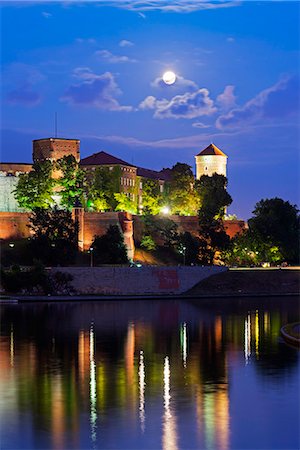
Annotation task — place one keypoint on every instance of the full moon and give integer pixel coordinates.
(169, 77)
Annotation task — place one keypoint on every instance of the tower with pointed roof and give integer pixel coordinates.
(211, 160)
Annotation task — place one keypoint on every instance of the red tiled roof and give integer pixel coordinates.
(211, 150)
(103, 159)
(148, 173)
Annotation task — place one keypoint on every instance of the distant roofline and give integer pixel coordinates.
(117, 162)
(55, 139)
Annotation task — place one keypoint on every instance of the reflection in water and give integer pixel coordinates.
(169, 438)
(59, 392)
(183, 342)
(142, 391)
(256, 334)
(12, 351)
(247, 338)
(93, 388)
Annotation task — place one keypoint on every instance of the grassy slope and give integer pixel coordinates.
(250, 281)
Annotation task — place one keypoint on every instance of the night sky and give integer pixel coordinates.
(99, 66)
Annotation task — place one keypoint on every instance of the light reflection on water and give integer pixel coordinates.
(147, 375)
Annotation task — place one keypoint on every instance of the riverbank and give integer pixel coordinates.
(249, 282)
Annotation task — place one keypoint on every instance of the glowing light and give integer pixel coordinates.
(256, 334)
(142, 391)
(169, 439)
(93, 389)
(165, 210)
(247, 338)
(183, 341)
(12, 352)
(169, 77)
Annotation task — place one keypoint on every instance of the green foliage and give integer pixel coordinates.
(167, 231)
(148, 243)
(213, 199)
(35, 189)
(276, 222)
(249, 249)
(71, 181)
(152, 197)
(102, 185)
(55, 236)
(110, 248)
(183, 199)
(124, 203)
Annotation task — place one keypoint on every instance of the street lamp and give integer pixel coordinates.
(91, 253)
(183, 251)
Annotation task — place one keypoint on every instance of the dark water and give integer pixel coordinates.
(148, 375)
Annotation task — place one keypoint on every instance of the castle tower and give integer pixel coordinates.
(211, 160)
(55, 148)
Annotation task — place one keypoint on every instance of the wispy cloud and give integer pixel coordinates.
(46, 14)
(114, 59)
(181, 82)
(200, 125)
(227, 99)
(126, 43)
(279, 102)
(93, 90)
(24, 95)
(178, 6)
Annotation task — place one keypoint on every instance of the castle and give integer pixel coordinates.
(208, 161)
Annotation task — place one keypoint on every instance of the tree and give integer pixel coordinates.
(276, 222)
(54, 236)
(71, 181)
(152, 197)
(189, 247)
(125, 203)
(182, 196)
(110, 248)
(35, 189)
(102, 185)
(214, 199)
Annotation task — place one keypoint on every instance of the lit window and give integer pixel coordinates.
(141, 185)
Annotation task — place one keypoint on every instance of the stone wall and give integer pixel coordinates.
(137, 281)
(13, 225)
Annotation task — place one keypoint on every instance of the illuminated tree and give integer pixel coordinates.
(125, 203)
(180, 193)
(152, 197)
(36, 188)
(71, 181)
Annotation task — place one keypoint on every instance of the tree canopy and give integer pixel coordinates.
(214, 199)
(152, 197)
(110, 248)
(71, 182)
(35, 188)
(182, 197)
(276, 222)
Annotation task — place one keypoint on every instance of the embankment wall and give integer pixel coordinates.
(137, 281)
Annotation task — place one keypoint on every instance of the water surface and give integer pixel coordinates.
(148, 375)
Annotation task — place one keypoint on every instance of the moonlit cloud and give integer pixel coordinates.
(278, 102)
(47, 15)
(180, 82)
(200, 125)
(125, 43)
(186, 106)
(177, 6)
(93, 90)
(114, 59)
(227, 99)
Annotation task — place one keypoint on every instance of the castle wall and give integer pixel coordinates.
(8, 203)
(210, 164)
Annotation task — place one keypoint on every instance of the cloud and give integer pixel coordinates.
(125, 43)
(83, 41)
(200, 125)
(177, 6)
(23, 95)
(46, 15)
(114, 59)
(94, 90)
(180, 82)
(276, 103)
(230, 39)
(227, 99)
(186, 106)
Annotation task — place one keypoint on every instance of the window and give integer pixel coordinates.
(141, 185)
